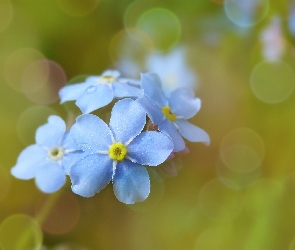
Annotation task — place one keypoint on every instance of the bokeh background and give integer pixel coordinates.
(237, 55)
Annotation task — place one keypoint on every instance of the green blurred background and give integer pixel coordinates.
(238, 193)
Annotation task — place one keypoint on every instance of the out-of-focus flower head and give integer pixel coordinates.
(50, 159)
(273, 43)
(172, 69)
(99, 91)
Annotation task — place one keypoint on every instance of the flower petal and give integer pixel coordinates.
(70, 159)
(153, 110)
(127, 120)
(151, 85)
(50, 177)
(95, 97)
(110, 72)
(131, 182)
(73, 91)
(91, 174)
(150, 148)
(91, 133)
(123, 89)
(28, 162)
(169, 129)
(51, 133)
(192, 132)
(183, 103)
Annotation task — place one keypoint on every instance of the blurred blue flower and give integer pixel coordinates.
(172, 69)
(99, 91)
(171, 114)
(50, 159)
(117, 153)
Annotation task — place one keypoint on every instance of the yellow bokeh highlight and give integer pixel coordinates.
(162, 25)
(20, 231)
(272, 81)
(242, 150)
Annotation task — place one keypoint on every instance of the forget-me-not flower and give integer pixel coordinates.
(172, 69)
(99, 91)
(50, 159)
(171, 114)
(117, 153)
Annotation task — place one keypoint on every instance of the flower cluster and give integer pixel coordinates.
(145, 130)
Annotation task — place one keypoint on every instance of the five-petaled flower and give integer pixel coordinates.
(99, 91)
(171, 114)
(118, 153)
(50, 159)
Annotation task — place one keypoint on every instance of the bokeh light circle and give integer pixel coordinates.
(15, 65)
(30, 120)
(219, 202)
(20, 231)
(272, 81)
(78, 7)
(130, 47)
(246, 13)
(6, 14)
(242, 150)
(162, 25)
(236, 180)
(58, 214)
(42, 80)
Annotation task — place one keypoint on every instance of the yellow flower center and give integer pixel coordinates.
(168, 114)
(117, 151)
(56, 153)
(107, 79)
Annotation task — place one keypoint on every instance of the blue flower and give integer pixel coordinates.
(171, 114)
(99, 91)
(172, 69)
(50, 159)
(117, 153)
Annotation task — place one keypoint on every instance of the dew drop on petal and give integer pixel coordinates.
(90, 89)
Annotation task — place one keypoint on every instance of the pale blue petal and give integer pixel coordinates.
(153, 110)
(151, 85)
(113, 73)
(70, 159)
(192, 132)
(95, 97)
(150, 148)
(50, 177)
(91, 134)
(131, 182)
(127, 120)
(68, 142)
(51, 133)
(28, 162)
(183, 103)
(91, 174)
(169, 128)
(123, 89)
(72, 92)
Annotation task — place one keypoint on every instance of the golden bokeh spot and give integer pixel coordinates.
(117, 151)
(168, 114)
